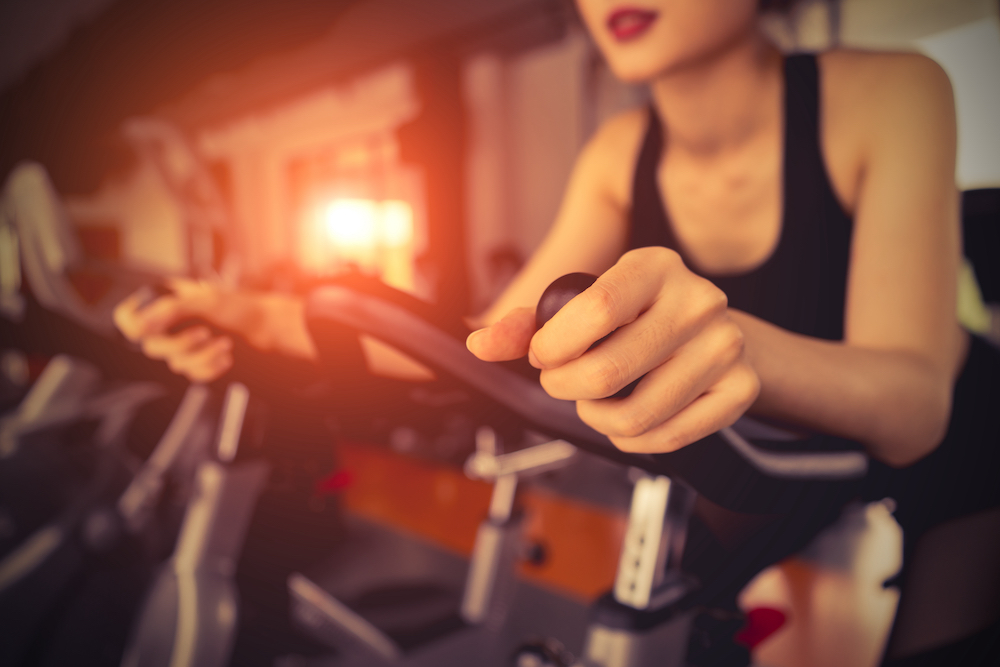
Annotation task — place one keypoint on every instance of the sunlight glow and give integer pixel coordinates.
(364, 223)
(397, 223)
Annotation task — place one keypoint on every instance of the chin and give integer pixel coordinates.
(639, 67)
(634, 73)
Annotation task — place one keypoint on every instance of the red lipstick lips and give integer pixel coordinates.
(627, 23)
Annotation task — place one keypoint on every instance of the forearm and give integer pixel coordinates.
(896, 403)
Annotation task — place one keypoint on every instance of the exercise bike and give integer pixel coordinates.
(93, 482)
(652, 603)
(652, 615)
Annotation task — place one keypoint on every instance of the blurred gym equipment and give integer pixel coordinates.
(649, 615)
(652, 615)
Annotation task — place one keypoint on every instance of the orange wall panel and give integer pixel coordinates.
(440, 504)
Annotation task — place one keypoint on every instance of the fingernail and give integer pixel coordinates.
(533, 360)
(475, 334)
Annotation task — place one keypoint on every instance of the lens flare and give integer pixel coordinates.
(364, 223)
(397, 223)
(353, 223)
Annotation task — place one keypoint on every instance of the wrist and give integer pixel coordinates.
(240, 312)
(282, 325)
(260, 315)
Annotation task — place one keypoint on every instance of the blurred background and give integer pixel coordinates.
(424, 142)
(277, 144)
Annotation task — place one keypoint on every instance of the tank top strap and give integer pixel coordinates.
(802, 103)
(805, 182)
(817, 231)
(649, 219)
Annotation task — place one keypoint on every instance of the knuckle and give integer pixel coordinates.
(666, 259)
(606, 378)
(733, 340)
(634, 423)
(602, 302)
(551, 385)
(742, 385)
(712, 299)
(636, 256)
(750, 384)
(656, 257)
(670, 442)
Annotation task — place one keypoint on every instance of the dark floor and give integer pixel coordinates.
(377, 559)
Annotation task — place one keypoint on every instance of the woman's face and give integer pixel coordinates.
(642, 39)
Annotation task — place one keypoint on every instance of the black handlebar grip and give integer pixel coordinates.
(557, 295)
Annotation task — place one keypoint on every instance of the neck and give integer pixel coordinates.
(722, 100)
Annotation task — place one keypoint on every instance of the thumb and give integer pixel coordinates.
(504, 340)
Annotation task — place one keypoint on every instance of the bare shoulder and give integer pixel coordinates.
(623, 131)
(884, 85)
(610, 156)
(882, 106)
(881, 65)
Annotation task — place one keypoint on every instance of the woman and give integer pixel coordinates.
(817, 194)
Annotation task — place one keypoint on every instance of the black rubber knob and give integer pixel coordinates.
(557, 295)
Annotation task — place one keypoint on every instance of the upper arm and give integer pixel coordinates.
(906, 246)
(590, 231)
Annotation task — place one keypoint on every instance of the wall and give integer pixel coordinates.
(261, 153)
(963, 36)
(148, 219)
(530, 114)
(896, 24)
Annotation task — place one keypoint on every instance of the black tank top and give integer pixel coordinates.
(801, 286)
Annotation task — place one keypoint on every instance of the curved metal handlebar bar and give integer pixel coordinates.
(442, 352)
